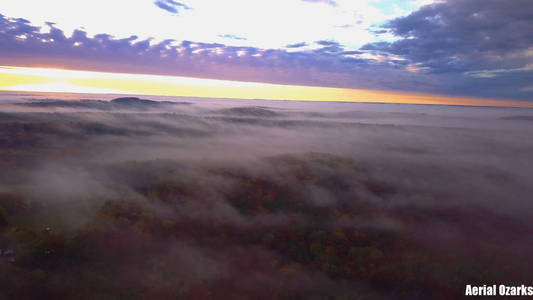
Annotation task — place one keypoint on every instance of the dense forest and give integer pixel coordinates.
(141, 200)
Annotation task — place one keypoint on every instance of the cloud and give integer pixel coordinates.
(327, 43)
(25, 45)
(484, 39)
(497, 72)
(328, 2)
(232, 37)
(459, 35)
(171, 6)
(297, 45)
(382, 66)
(528, 88)
(329, 47)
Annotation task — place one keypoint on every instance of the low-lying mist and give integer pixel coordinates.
(235, 199)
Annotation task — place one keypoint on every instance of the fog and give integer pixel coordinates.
(197, 197)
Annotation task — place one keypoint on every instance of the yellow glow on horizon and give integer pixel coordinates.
(70, 81)
(60, 87)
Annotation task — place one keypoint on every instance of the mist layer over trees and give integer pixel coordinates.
(231, 199)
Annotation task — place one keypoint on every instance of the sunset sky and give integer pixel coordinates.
(473, 52)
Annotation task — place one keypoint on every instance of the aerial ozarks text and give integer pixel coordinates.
(498, 290)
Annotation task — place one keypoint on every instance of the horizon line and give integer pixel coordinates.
(58, 80)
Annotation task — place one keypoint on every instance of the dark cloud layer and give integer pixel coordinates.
(487, 39)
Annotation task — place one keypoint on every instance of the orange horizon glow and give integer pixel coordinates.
(26, 79)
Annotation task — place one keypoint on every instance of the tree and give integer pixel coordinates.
(3, 219)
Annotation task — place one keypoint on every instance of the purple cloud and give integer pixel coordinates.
(296, 45)
(171, 6)
(487, 39)
(232, 37)
(24, 45)
(375, 66)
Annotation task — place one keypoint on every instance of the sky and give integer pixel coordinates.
(459, 50)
